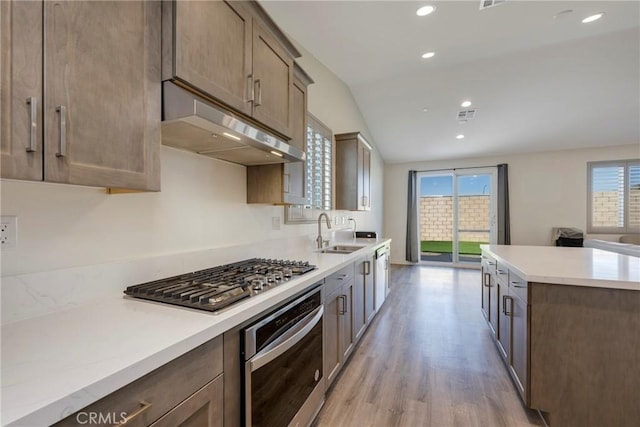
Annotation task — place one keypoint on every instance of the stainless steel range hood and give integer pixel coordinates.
(194, 124)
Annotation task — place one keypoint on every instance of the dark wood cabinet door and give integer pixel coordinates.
(348, 335)
(272, 82)
(369, 292)
(519, 346)
(212, 48)
(21, 94)
(332, 330)
(486, 287)
(504, 321)
(494, 306)
(359, 319)
(102, 116)
(366, 179)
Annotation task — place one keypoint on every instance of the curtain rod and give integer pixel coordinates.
(455, 169)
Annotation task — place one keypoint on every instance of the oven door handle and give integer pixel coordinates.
(287, 340)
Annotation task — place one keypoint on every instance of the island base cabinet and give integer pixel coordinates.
(585, 355)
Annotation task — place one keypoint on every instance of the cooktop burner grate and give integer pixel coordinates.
(215, 288)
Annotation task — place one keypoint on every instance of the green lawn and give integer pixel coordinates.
(445, 247)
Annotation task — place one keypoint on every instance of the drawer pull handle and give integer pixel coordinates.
(518, 285)
(501, 272)
(144, 406)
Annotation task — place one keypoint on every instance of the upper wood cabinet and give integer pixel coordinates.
(233, 53)
(207, 45)
(101, 117)
(285, 183)
(353, 172)
(21, 88)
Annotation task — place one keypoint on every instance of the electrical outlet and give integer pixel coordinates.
(8, 231)
(275, 223)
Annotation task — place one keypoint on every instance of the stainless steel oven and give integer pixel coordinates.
(283, 378)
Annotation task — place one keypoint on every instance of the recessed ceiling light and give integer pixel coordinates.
(425, 10)
(466, 104)
(425, 109)
(428, 55)
(562, 13)
(459, 136)
(593, 18)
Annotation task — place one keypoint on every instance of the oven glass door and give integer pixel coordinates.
(278, 388)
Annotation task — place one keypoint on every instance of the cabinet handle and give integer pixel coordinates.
(63, 131)
(32, 102)
(491, 263)
(257, 88)
(342, 277)
(367, 268)
(145, 406)
(250, 95)
(343, 310)
(287, 183)
(518, 285)
(501, 272)
(504, 305)
(487, 280)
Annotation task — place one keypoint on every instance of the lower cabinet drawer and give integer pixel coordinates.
(147, 399)
(202, 409)
(339, 278)
(519, 286)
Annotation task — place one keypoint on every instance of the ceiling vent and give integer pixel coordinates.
(466, 115)
(490, 3)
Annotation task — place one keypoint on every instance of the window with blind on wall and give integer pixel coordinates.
(318, 174)
(613, 197)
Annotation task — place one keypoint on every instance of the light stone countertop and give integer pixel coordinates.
(569, 266)
(63, 358)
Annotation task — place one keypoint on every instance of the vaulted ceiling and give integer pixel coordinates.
(538, 78)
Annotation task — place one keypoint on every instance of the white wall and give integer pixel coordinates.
(201, 205)
(547, 189)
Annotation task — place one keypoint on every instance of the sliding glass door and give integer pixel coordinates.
(457, 213)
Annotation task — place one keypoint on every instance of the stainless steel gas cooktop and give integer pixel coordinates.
(219, 287)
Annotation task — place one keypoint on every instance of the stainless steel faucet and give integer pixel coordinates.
(354, 226)
(319, 240)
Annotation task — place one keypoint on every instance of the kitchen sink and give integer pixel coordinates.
(340, 249)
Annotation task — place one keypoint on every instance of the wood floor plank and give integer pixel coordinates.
(427, 360)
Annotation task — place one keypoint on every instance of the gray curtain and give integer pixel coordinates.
(504, 229)
(412, 244)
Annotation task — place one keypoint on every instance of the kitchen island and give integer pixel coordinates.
(566, 322)
(69, 338)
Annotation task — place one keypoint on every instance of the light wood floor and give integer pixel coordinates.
(427, 359)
